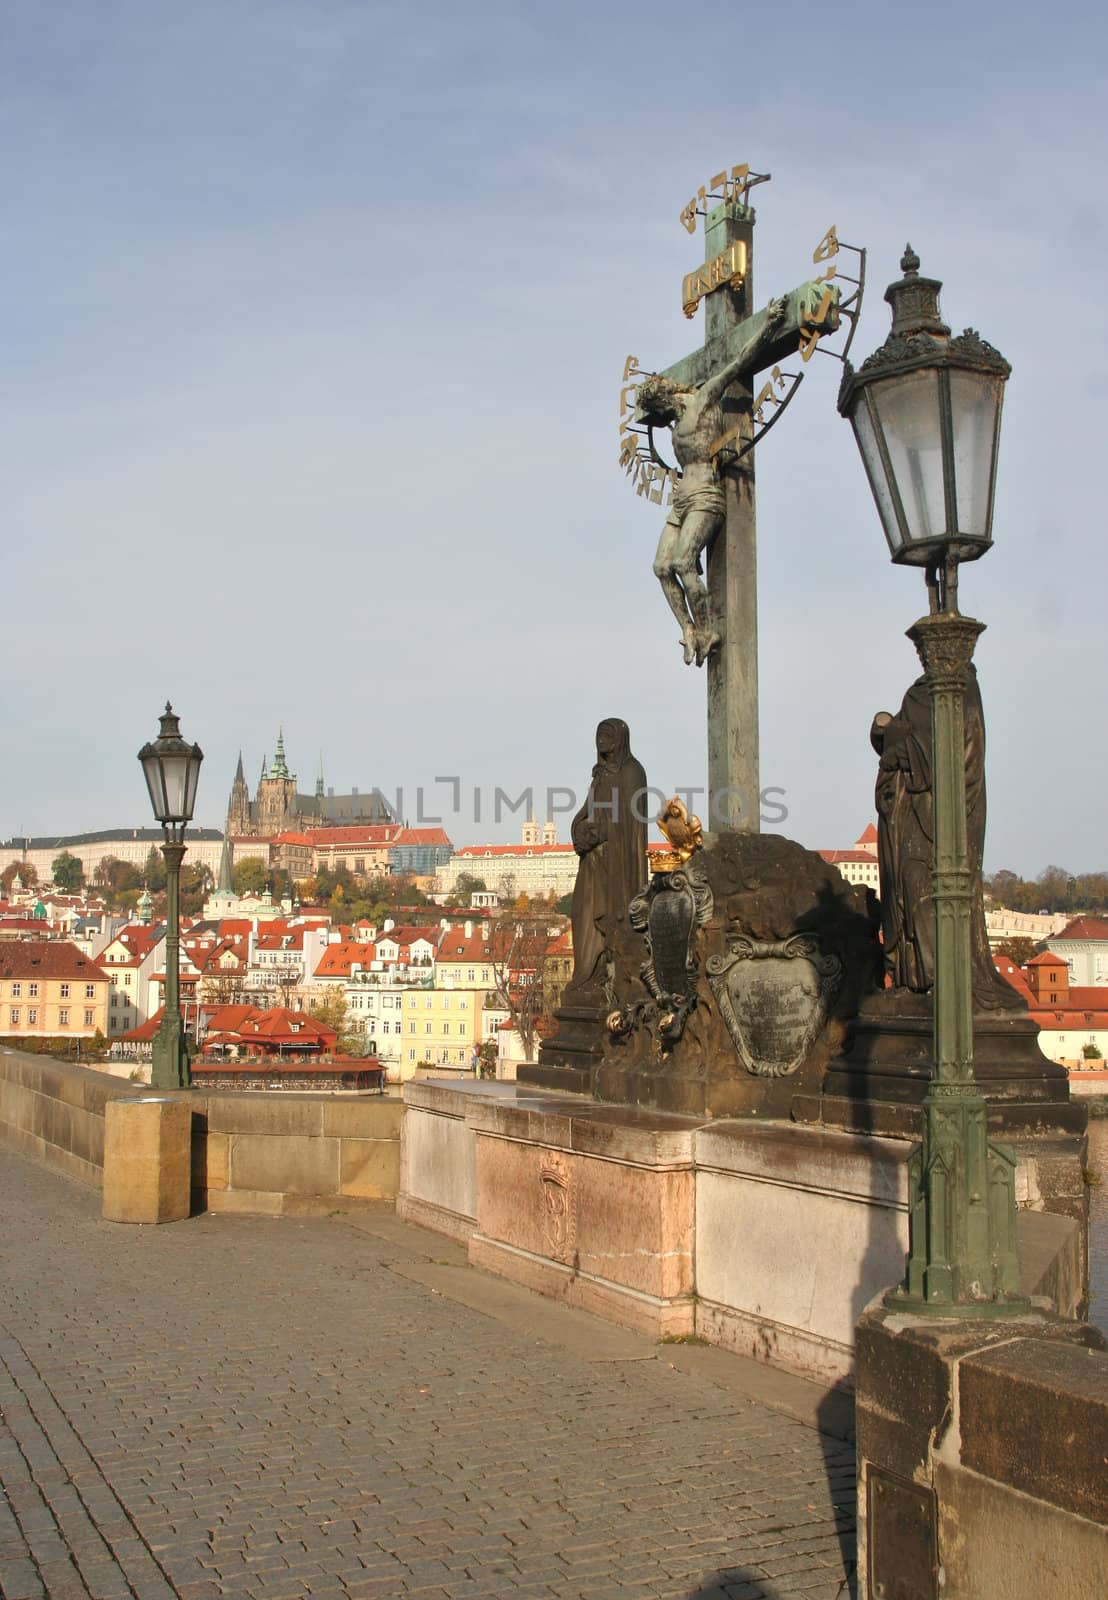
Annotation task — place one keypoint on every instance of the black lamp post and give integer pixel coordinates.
(171, 767)
(925, 409)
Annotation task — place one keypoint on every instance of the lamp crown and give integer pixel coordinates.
(169, 723)
(915, 301)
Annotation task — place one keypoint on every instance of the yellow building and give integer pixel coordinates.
(49, 990)
(440, 1025)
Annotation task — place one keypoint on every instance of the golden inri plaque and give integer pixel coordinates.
(729, 268)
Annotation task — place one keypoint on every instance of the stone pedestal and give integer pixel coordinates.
(147, 1159)
(981, 1450)
(762, 1237)
(761, 895)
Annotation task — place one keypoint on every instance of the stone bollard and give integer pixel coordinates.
(147, 1159)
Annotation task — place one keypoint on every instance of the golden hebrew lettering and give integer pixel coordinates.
(828, 246)
(630, 366)
(808, 343)
(625, 404)
(825, 277)
(739, 175)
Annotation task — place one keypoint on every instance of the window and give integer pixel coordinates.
(411, 1055)
(63, 1017)
(115, 1001)
(17, 990)
(427, 1026)
(463, 1005)
(90, 991)
(32, 1016)
(15, 1016)
(88, 1018)
(446, 1027)
(429, 1002)
(411, 1027)
(470, 975)
(32, 991)
(64, 991)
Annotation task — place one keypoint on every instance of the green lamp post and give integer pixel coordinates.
(171, 767)
(925, 409)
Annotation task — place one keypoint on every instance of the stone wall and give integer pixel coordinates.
(981, 1451)
(252, 1151)
(764, 1238)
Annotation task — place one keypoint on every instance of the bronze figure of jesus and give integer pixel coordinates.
(695, 418)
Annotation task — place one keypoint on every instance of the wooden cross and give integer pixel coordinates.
(734, 785)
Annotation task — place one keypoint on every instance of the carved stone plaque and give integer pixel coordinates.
(559, 1221)
(773, 997)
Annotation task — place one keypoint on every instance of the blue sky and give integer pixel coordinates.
(314, 319)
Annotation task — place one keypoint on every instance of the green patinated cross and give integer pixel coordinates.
(734, 784)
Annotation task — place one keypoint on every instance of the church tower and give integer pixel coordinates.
(531, 828)
(276, 793)
(238, 807)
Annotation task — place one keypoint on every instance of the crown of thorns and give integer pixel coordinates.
(656, 392)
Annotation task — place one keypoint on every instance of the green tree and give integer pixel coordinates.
(154, 871)
(465, 888)
(21, 869)
(249, 876)
(330, 1009)
(68, 873)
(486, 1058)
(1018, 949)
(196, 885)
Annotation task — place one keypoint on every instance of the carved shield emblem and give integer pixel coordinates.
(558, 1218)
(774, 997)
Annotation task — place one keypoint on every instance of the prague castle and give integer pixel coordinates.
(277, 806)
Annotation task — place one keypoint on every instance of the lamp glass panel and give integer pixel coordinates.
(194, 761)
(174, 776)
(975, 414)
(152, 771)
(908, 411)
(866, 436)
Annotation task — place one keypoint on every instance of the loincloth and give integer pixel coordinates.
(701, 497)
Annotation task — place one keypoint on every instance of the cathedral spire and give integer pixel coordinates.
(224, 885)
(280, 766)
(319, 779)
(240, 776)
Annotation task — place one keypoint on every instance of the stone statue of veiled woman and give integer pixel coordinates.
(609, 835)
(906, 845)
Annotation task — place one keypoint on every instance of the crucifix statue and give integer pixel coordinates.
(707, 399)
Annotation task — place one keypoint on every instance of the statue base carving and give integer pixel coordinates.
(732, 984)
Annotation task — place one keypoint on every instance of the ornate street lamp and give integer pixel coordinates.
(171, 767)
(925, 409)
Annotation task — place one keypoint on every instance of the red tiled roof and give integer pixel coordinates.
(47, 958)
(868, 835)
(377, 833)
(339, 958)
(421, 836)
(1084, 928)
(454, 946)
(1008, 969)
(1045, 959)
(833, 857)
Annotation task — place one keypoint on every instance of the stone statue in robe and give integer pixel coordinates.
(609, 835)
(906, 844)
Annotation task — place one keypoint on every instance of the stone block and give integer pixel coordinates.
(211, 1154)
(297, 1165)
(1034, 1415)
(278, 1113)
(438, 1161)
(147, 1159)
(626, 1224)
(1005, 1546)
(369, 1168)
(372, 1118)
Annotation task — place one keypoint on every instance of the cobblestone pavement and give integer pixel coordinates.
(281, 1408)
